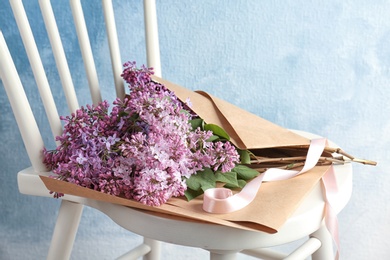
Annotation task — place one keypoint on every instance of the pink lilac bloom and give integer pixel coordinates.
(143, 149)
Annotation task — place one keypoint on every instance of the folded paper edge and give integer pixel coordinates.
(228, 120)
(167, 210)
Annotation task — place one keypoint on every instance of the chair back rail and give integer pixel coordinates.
(151, 36)
(152, 52)
(23, 114)
(86, 52)
(59, 54)
(36, 66)
(113, 44)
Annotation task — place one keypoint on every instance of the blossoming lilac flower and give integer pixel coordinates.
(225, 155)
(143, 149)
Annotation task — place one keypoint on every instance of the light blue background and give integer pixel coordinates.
(318, 66)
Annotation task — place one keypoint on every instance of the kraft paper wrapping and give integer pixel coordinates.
(274, 204)
(246, 130)
(275, 201)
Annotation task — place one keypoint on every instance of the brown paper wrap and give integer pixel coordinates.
(275, 201)
(246, 130)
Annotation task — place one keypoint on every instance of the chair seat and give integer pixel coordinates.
(307, 218)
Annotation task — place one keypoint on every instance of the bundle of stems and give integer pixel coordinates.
(330, 156)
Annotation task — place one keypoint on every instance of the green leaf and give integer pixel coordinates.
(201, 180)
(217, 130)
(207, 186)
(227, 177)
(244, 172)
(213, 138)
(240, 184)
(244, 156)
(197, 122)
(192, 194)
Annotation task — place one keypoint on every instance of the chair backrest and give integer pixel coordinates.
(14, 89)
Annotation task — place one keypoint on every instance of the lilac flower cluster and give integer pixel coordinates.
(143, 149)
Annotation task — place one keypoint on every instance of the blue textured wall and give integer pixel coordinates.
(319, 66)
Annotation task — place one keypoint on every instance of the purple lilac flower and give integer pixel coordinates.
(143, 149)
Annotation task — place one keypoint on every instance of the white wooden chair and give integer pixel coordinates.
(222, 242)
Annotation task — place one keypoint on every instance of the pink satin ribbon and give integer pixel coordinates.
(331, 193)
(222, 200)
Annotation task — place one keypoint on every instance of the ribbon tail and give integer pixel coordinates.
(331, 221)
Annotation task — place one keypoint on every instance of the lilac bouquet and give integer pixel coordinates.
(149, 147)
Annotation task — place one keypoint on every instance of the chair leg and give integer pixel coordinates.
(220, 255)
(65, 230)
(305, 250)
(155, 251)
(325, 252)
